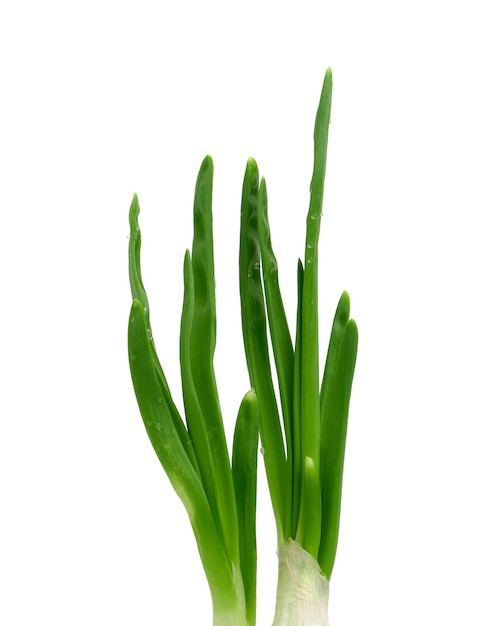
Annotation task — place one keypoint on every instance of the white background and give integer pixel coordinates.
(99, 100)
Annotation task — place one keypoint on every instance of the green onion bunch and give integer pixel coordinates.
(302, 434)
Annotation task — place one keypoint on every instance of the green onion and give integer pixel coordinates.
(311, 427)
(220, 499)
(303, 433)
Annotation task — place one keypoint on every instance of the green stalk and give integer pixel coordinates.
(202, 345)
(256, 348)
(310, 400)
(297, 458)
(244, 467)
(340, 367)
(283, 351)
(195, 420)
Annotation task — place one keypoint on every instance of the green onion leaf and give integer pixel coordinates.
(202, 345)
(197, 428)
(256, 348)
(310, 400)
(244, 467)
(280, 335)
(297, 458)
(341, 318)
(334, 428)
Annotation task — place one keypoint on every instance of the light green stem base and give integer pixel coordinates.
(228, 602)
(303, 591)
(229, 618)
